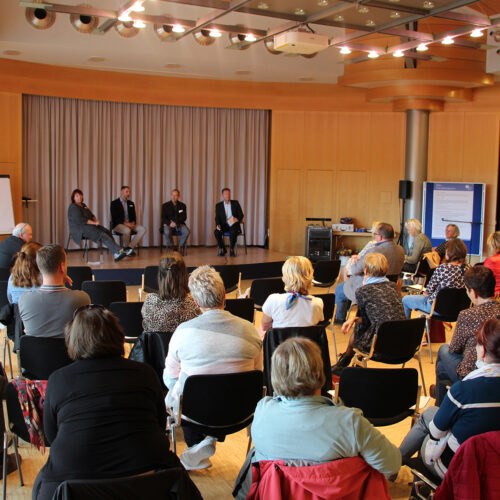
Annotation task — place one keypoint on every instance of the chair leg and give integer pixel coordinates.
(67, 243)
(18, 462)
(171, 427)
(86, 251)
(428, 330)
(4, 467)
(421, 373)
(249, 434)
(245, 241)
(6, 348)
(334, 343)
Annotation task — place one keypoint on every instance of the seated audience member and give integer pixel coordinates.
(471, 407)
(452, 231)
(378, 300)
(295, 307)
(322, 431)
(172, 305)
(345, 292)
(493, 262)
(450, 274)
(356, 257)
(83, 223)
(421, 244)
(25, 273)
(214, 342)
(46, 311)
(458, 359)
(11, 245)
(104, 415)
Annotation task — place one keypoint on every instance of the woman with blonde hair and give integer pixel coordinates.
(421, 244)
(493, 262)
(25, 273)
(295, 307)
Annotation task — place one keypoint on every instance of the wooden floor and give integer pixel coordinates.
(216, 483)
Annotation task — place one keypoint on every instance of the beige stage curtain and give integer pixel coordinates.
(98, 146)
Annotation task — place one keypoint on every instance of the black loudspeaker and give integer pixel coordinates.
(405, 190)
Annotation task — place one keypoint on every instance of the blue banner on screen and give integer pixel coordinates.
(458, 203)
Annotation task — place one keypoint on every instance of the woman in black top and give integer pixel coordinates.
(104, 415)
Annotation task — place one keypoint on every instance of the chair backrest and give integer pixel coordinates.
(393, 277)
(230, 276)
(276, 336)
(129, 315)
(326, 272)
(397, 341)
(385, 395)
(328, 307)
(243, 308)
(79, 274)
(222, 399)
(450, 301)
(4, 273)
(41, 356)
(105, 292)
(263, 287)
(151, 279)
(3, 293)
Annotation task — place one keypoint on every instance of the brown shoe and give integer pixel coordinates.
(432, 391)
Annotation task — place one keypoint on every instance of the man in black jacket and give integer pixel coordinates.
(124, 220)
(9, 247)
(228, 215)
(173, 218)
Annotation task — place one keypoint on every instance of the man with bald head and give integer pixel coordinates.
(9, 247)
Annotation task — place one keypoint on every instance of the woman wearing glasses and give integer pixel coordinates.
(103, 415)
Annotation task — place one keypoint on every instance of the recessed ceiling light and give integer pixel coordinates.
(12, 52)
(173, 65)
(422, 47)
(97, 59)
(263, 6)
(428, 4)
(394, 1)
(177, 28)
(300, 12)
(242, 72)
(395, 15)
(139, 24)
(250, 37)
(372, 54)
(477, 33)
(339, 19)
(323, 3)
(398, 53)
(363, 10)
(306, 78)
(345, 50)
(370, 22)
(448, 40)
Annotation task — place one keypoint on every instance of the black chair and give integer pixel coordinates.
(326, 273)
(79, 274)
(276, 336)
(130, 318)
(263, 287)
(241, 233)
(8, 311)
(133, 232)
(219, 404)
(385, 395)
(423, 271)
(85, 247)
(159, 485)
(40, 356)
(396, 342)
(393, 277)
(243, 308)
(231, 277)
(149, 281)
(328, 313)
(105, 292)
(4, 273)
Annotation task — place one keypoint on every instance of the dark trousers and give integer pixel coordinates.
(192, 436)
(101, 234)
(233, 230)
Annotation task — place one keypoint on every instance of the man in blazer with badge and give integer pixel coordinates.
(173, 218)
(124, 220)
(228, 215)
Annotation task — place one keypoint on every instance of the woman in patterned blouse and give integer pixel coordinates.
(450, 274)
(172, 305)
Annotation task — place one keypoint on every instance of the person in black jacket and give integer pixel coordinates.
(104, 415)
(124, 219)
(173, 218)
(228, 215)
(10, 246)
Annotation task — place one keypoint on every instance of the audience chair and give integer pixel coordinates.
(446, 307)
(130, 318)
(328, 314)
(396, 342)
(424, 272)
(276, 336)
(4, 273)
(263, 287)
(156, 485)
(120, 236)
(217, 405)
(4, 302)
(79, 274)
(385, 395)
(241, 234)
(231, 277)
(105, 292)
(176, 235)
(326, 273)
(40, 356)
(85, 247)
(243, 308)
(149, 282)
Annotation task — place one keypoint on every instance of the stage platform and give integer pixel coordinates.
(257, 263)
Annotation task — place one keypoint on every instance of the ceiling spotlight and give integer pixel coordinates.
(398, 53)
(345, 50)
(363, 10)
(300, 12)
(40, 19)
(12, 52)
(372, 54)
(125, 17)
(323, 3)
(139, 24)
(84, 23)
(395, 15)
(138, 7)
(422, 47)
(428, 4)
(263, 6)
(448, 40)
(126, 30)
(339, 19)
(370, 22)
(203, 37)
(177, 28)
(215, 33)
(477, 33)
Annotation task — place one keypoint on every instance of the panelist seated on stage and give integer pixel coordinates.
(83, 224)
(173, 218)
(228, 215)
(124, 219)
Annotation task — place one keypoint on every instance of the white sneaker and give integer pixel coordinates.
(194, 457)
(204, 464)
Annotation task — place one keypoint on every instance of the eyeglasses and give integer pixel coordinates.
(376, 234)
(88, 307)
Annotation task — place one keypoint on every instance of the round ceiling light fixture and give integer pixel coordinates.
(203, 37)
(41, 19)
(84, 23)
(126, 29)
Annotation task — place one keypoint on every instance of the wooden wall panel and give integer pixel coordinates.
(319, 194)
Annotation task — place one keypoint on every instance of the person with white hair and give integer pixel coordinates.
(214, 342)
(10, 246)
(421, 245)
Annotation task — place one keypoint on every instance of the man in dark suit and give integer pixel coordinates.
(9, 247)
(173, 218)
(228, 215)
(124, 221)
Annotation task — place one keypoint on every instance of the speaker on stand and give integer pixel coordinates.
(404, 194)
